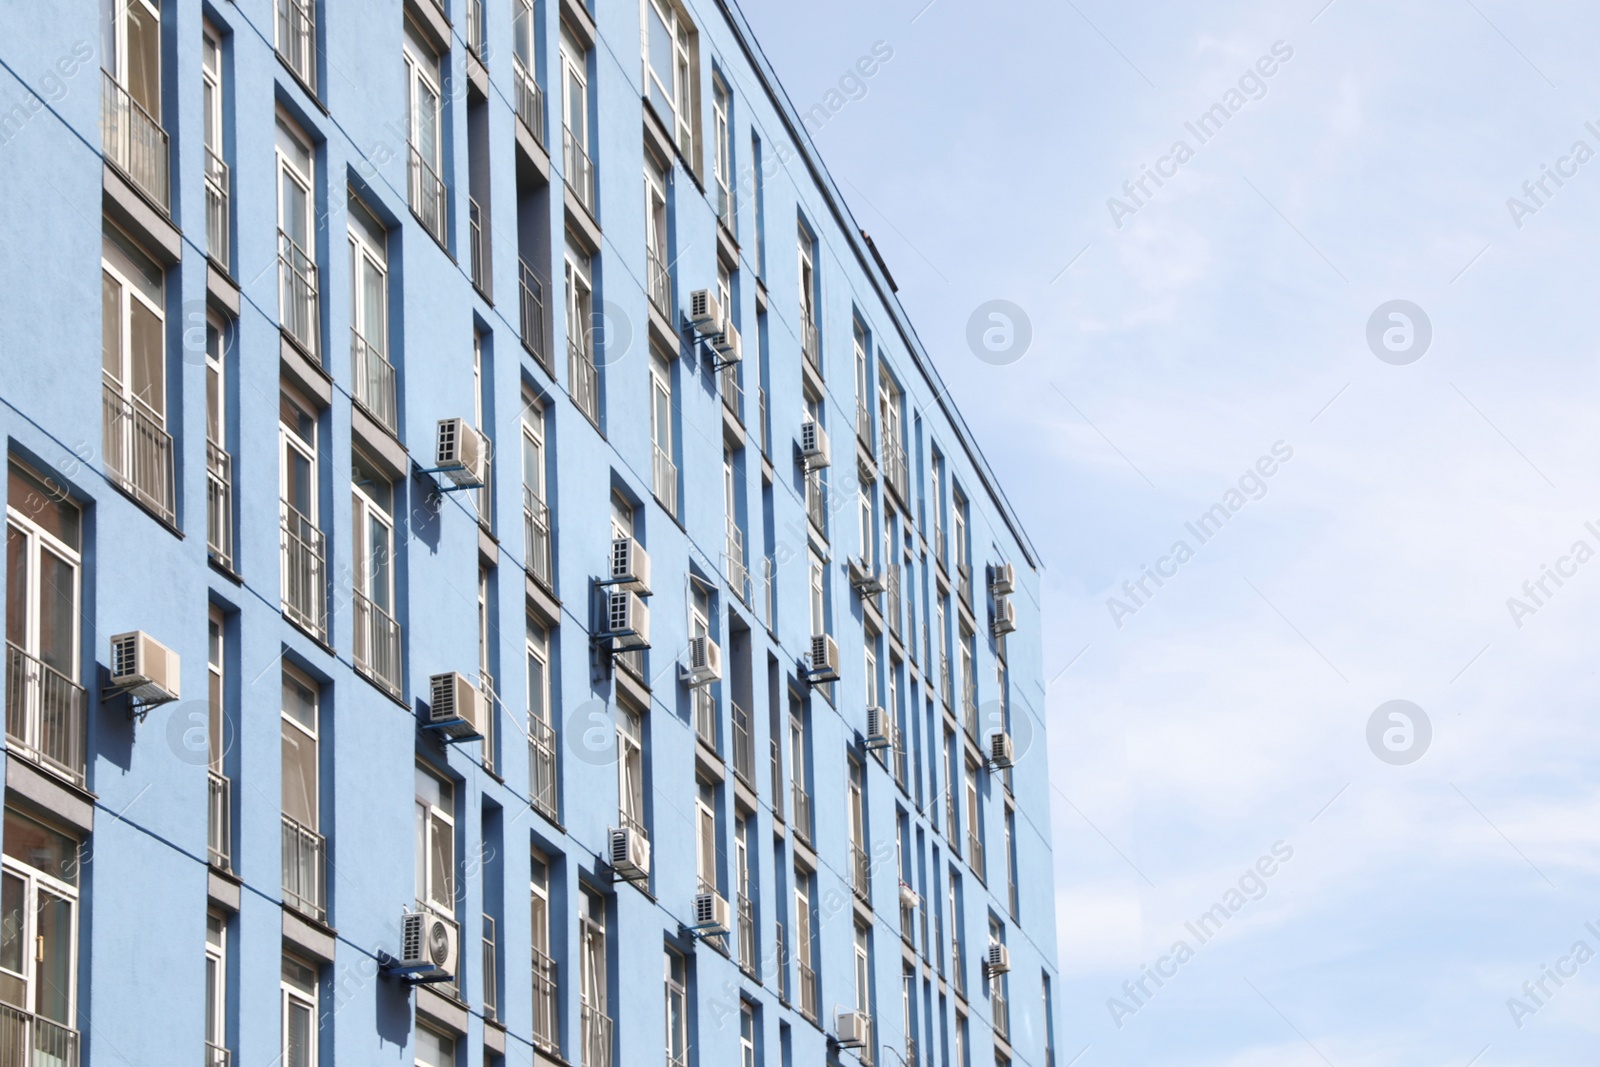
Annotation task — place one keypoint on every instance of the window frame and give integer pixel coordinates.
(432, 818)
(292, 996)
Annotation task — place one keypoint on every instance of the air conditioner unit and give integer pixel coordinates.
(711, 913)
(630, 853)
(462, 452)
(627, 620)
(705, 662)
(863, 579)
(143, 668)
(429, 944)
(728, 345)
(1002, 579)
(824, 659)
(999, 961)
(880, 728)
(854, 1028)
(813, 444)
(908, 896)
(1000, 751)
(456, 706)
(630, 566)
(1005, 616)
(705, 312)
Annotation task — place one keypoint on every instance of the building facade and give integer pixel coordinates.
(524, 595)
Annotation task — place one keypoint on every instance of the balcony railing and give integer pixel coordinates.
(895, 469)
(732, 392)
(491, 968)
(583, 379)
(134, 142)
(975, 851)
(542, 767)
(950, 820)
(733, 557)
(659, 277)
(374, 380)
(777, 778)
(475, 27)
(45, 719)
(577, 169)
(377, 644)
(744, 747)
(219, 833)
(810, 346)
(901, 763)
(817, 502)
(546, 1009)
(298, 314)
(802, 811)
(138, 451)
(536, 537)
(530, 100)
(481, 274)
(861, 874)
(957, 971)
(217, 210)
(780, 959)
(532, 301)
(429, 202)
(964, 583)
(944, 676)
(705, 718)
(33, 1041)
(666, 480)
(892, 606)
(749, 959)
(219, 504)
(969, 709)
(864, 422)
(297, 38)
(217, 1056)
(305, 866)
(808, 991)
(305, 590)
(938, 541)
(596, 1030)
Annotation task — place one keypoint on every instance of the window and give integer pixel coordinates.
(216, 173)
(744, 895)
(1011, 859)
(536, 510)
(957, 934)
(39, 930)
(864, 510)
(630, 768)
(541, 728)
(424, 133)
(131, 96)
(677, 981)
(661, 403)
(577, 170)
(758, 256)
(434, 1049)
(802, 942)
(722, 162)
(483, 496)
(863, 976)
(486, 631)
(997, 982)
(546, 1010)
(219, 463)
(217, 1054)
(303, 587)
(670, 44)
(44, 704)
(138, 449)
(819, 622)
(747, 1034)
(863, 395)
(377, 635)
(808, 292)
(861, 870)
(706, 837)
(299, 1014)
(218, 812)
(298, 310)
(435, 844)
(594, 1019)
(1049, 1019)
(371, 370)
(938, 509)
(799, 749)
(974, 822)
(583, 379)
(303, 848)
(960, 1059)
(658, 262)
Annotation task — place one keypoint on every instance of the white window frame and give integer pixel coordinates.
(216, 689)
(442, 1043)
(217, 384)
(580, 300)
(435, 816)
(216, 980)
(630, 767)
(680, 98)
(863, 970)
(705, 837)
(655, 208)
(305, 179)
(367, 260)
(534, 457)
(129, 293)
(291, 441)
(295, 997)
(422, 77)
(313, 734)
(211, 101)
(747, 1034)
(677, 1006)
(722, 132)
(808, 277)
(116, 55)
(36, 541)
(575, 91)
(819, 607)
(367, 518)
(34, 883)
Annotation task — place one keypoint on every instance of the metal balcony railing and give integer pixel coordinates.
(475, 27)
(138, 451)
(305, 588)
(577, 169)
(532, 308)
(429, 201)
(305, 866)
(810, 346)
(744, 747)
(938, 542)
(583, 379)
(957, 971)
(219, 817)
(217, 1056)
(975, 852)
(219, 504)
(749, 958)
(659, 277)
(969, 709)
(817, 502)
(896, 471)
(546, 1008)
(861, 874)
(491, 968)
(536, 537)
(733, 559)
(944, 677)
(808, 991)
(542, 767)
(864, 421)
(596, 1029)
(45, 719)
(217, 210)
(732, 392)
(780, 960)
(297, 38)
(377, 644)
(777, 778)
(134, 142)
(28, 1040)
(374, 380)
(802, 811)
(705, 718)
(530, 100)
(964, 584)
(666, 480)
(479, 249)
(298, 312)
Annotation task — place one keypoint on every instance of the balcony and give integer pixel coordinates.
(305, 589)
(732, 392)
(34, 1041)
(808, 991)
(297, 39)
(219, 816)
(429, 201)
(665, 479)
(583, 379)
(475, 28)
(45, 719)
(860, 874)
(577, 169)
(705, 718)
(530, 100)
(298, 313)
(659, 277)
(542, 767)
(744, 747)
(377, 645)
(134, 142)
(810, 346)
(217, 210)
(479, 249)
(532, 308)
(733, 562)
(896, 471)
(802, 812)
(777, 778)
(219, 505)
(305, 866)
(138, 452)
(749, 959)
(373, 377)
(864, 422)
(546, 1008)
(536, 538)
(817, 502)
(595, 1027)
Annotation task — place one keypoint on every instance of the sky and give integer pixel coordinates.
(1432, 463)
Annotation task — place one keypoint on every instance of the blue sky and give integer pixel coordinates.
(1227, 313)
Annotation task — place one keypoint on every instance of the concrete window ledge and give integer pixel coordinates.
(49, 795)
(441, 1010)
(307, 937)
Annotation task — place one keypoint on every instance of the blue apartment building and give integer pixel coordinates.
(520, 592)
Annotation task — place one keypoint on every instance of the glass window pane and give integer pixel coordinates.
(147, 358)
(299, 776)
(442, 861)
(299, 702)
(13, 925)
(52, 988)
(16, 587)
(297, 1036)
(36, 845)
(58, 616)
(111, 325)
